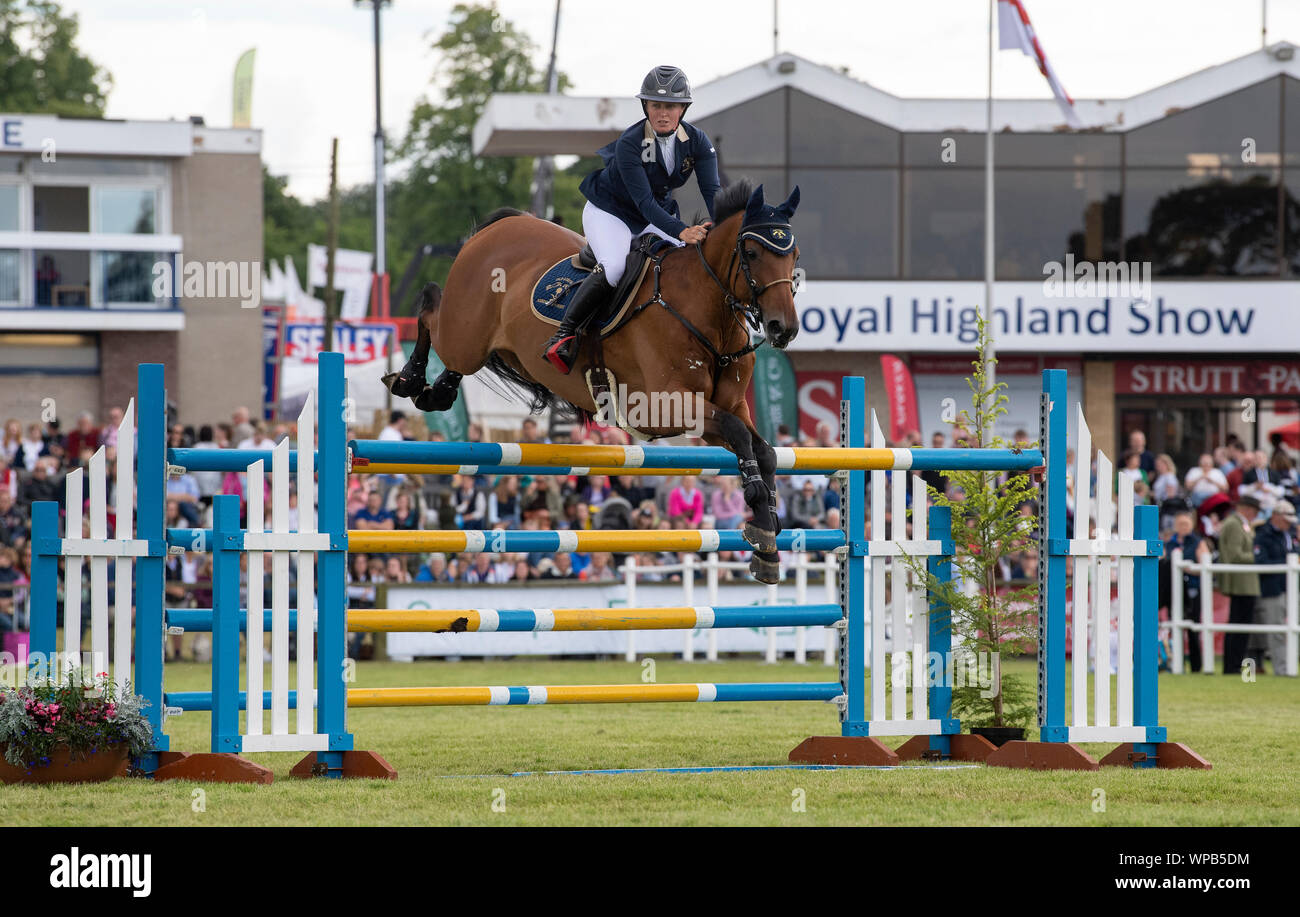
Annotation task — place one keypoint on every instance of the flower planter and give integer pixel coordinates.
(64, 768)
(999, 735)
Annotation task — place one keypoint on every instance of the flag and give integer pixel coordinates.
(1015, 31)
(241, 102)
(903, 415)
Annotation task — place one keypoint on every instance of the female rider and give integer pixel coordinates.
(632, 195)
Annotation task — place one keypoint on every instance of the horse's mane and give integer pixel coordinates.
(499, 214)
(729, 201)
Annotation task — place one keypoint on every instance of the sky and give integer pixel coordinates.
(314, 75)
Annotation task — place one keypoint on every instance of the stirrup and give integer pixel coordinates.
(554, 357)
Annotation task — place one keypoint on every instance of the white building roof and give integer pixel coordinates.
(28, 133)
(534, 124)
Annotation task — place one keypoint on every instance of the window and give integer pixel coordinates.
(847, 222)
(1043, 214)
(773, 182)
(62, 277)
(950, 149)
(751, 134)
(943, 224)
(1197, 222)
(127, 277)
(126, 210)
(822, 134)
(10, 196)
(61, 208)
(1213, 134)
(9, 286)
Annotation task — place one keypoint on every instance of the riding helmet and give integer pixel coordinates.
(665, 84)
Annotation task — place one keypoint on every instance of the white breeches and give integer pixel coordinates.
(610, 239)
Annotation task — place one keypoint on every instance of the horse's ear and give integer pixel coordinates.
(791, 203)
(754, 209)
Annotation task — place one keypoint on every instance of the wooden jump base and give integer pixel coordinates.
(917, 709)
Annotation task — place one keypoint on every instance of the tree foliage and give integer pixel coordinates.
(41, 69)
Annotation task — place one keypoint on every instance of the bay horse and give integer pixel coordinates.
(689, 337)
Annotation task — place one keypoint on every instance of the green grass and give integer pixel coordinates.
(1250, 732)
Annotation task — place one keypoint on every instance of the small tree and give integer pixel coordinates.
(987, 522)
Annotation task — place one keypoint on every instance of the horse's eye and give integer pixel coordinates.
(751, 254)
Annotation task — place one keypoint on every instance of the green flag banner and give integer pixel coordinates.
(774, 400)
(453, 424)
(241, 102)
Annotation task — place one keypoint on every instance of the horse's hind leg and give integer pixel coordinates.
(411, 381)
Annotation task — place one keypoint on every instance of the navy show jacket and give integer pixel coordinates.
(638, 191)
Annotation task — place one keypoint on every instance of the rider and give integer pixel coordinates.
(632, 194)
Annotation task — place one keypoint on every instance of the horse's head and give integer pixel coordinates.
(767, 253)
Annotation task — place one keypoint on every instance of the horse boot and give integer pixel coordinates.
(561, 351)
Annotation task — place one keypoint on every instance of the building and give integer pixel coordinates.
(124, 242)
(1189, 181)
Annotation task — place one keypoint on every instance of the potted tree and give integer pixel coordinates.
(990, 617)
(81, 729)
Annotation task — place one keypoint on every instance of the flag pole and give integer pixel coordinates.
(990, 368)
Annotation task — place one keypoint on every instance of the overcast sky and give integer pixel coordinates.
(314, 77)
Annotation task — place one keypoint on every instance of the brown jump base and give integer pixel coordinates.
(207, 767)
(855, 750)
(963, 747)
(1065, 756)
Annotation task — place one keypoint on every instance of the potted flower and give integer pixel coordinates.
(82, 729)
(990, 618)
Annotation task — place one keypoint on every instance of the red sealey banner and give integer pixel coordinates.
(1263, 378)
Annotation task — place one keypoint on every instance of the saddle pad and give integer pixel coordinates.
(556, 287)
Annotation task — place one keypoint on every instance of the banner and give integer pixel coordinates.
(901, 390)
(241, 99)
(772, 394)
(819, 403)
(1178, 317)
(352, 278)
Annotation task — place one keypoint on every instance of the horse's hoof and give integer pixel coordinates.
(766, 570)
(435, 398)
(761, 539)
(405, 384)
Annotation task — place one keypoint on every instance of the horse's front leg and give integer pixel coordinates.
(757, 463)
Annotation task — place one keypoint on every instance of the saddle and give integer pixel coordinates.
(557, 285)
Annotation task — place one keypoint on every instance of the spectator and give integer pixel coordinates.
(31, 448)
(1194, 548)
(396, 429)
(1165, 486)
(208, 482)
(257, 439)
(1205, 480)
(1262, 483)
(86, 436)
(471, 505)
(184, 490)
(596, 491)
(44, 485)
(1132, 468)
(935, 481)
(1242, 462)
(482, 570)
(686, 505)
(600, 570)
(1273, 542)
(1237, 546)
(395, 571)
(727, 504)
(406, 518)
(523, 572)
(806, 508)
(1137, 442)
(503, 502)
(373, 516)
(11, 442)
(434, 570)
(530, 433)
(13, 520)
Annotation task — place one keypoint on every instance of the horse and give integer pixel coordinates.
(688, 336)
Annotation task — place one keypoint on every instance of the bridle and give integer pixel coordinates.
(750, 312)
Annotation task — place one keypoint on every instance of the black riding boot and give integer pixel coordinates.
(593, 293)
